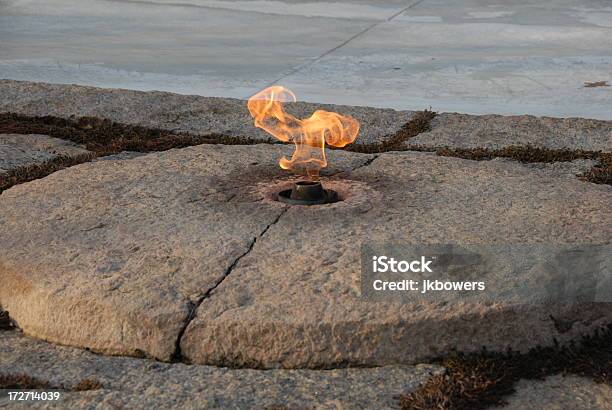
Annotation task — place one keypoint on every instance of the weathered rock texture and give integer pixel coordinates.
(497, 131)
(293, 301)
(137, 383)
(176, 112)
(18, 150)
(205, 115)
(113, 255)
(560, 393)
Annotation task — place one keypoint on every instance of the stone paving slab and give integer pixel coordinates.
(203, 115)
(176, 112)
(113, 255)
(293, 301)
(18, 150)
(475, 56)
(497, 131)
(560, 393)
(141, 383)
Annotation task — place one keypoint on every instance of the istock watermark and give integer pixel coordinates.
(385, 264)
(520, 274)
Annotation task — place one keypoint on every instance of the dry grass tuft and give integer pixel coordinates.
(36, 171)
(420, 122)
(22, 381)
(596, 84)
(479, 381)
(5, 321)
(602, 172)
(599, 174)
(87, 384)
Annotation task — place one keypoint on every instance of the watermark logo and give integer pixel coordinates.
(386, 264)
(517, 274)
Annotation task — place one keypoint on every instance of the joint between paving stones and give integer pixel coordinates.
(177, 356)
(367, 163)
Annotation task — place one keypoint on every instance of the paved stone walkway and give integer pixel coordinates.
(468, 56)
(184, 255)
(18, 150)
(201, 115)
(560, 393)
(138, 383)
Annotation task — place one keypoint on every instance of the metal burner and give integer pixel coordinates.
(307, 193)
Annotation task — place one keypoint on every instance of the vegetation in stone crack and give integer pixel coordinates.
(24, 381)
(5, 321)
(87, 384)
(602, 172)
(419, 123)
(599, 174)
(31, 172)
(105, 137)
(481, 380)
(100, 136)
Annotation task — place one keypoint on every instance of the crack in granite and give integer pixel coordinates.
(177, 356)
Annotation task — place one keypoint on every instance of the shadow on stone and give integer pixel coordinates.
(480, 380)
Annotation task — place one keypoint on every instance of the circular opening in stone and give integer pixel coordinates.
(307, 193)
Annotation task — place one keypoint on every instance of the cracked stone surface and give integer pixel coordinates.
(176, 112)
(142, 383)
(17, 150)
(497, 131)
(297, 292)
(112, 255)
(560, 393)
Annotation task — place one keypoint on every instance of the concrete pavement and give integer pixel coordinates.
(470, 56)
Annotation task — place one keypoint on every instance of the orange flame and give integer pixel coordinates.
(309, 135)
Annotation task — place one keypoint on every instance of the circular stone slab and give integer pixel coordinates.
(114, 255)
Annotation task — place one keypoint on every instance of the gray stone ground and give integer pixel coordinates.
(497, 131)
(471, 56)
(18, 150)
(141, 383)
(202, 115)
(168, 111)
(560, 393)
(112, 255)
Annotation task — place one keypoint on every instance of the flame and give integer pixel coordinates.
(309, 135)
